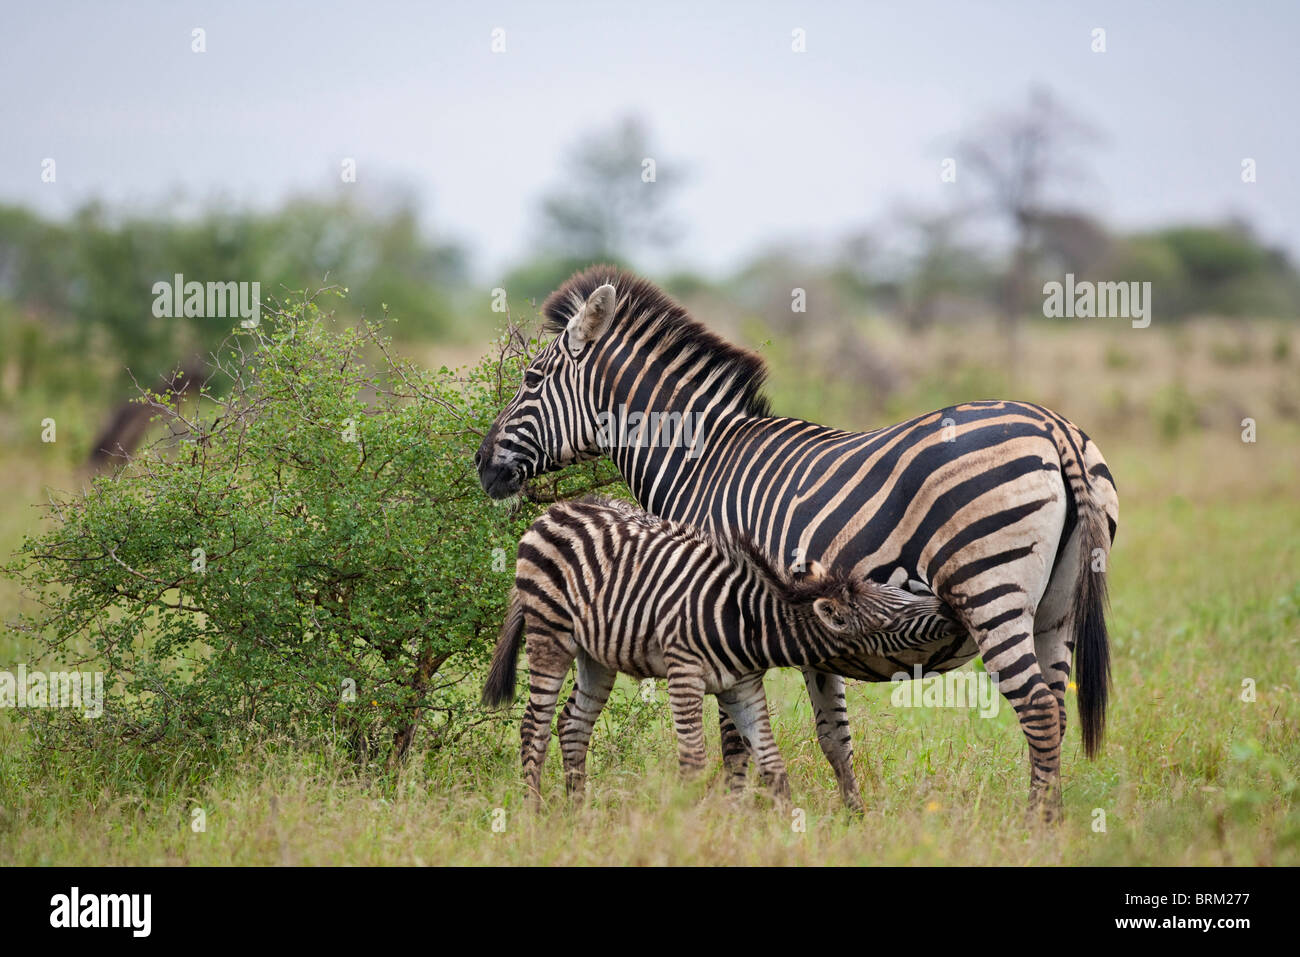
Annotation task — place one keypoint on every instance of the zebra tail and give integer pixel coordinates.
(499, 690)
(1091, 642)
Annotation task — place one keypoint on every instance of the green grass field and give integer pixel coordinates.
(1205, 590)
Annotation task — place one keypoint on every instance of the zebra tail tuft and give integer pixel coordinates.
(499, 689)
(1091, 642)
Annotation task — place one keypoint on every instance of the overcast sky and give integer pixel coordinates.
(782, 147)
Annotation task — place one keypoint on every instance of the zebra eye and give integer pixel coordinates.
(532, 379)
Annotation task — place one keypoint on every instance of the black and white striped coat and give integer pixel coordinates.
(618, 590)
(1004, 510)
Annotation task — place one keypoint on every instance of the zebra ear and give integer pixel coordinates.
(831, 615)
(591, 321)
(815, 570)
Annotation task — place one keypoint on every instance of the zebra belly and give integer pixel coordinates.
(642, 658)
(629, 653)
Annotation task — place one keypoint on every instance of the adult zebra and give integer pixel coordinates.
(1004, 510)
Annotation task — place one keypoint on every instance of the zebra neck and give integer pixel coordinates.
(661, 436)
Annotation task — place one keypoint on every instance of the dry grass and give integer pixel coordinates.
(1205, 595)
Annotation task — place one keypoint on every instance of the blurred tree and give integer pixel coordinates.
(1070, 241)
(1020, 158)
(87, 288)
(91, 280)
(1210, 269)
(615, 197)
(1213, 255)
(940, 265)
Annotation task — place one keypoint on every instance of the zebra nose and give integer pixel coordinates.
(478, 459)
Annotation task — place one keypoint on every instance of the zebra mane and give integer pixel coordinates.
(645, 308)
(790, 587)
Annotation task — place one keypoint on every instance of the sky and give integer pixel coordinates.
(771, 147)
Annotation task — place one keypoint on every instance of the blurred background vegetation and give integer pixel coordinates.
(895, 312)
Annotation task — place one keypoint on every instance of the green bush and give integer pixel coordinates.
(306, 551)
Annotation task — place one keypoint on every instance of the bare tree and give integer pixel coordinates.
(1022, 159)
(615, 196)
(939, 262)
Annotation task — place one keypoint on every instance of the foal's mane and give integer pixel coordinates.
(651, 314)
(789, 587)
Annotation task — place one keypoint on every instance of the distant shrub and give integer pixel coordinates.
(308, 553)
(1208, 269)
(1232, 353)
(1118, 358)
(1174, 411)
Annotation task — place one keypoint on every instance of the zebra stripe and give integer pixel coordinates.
(1004, 510)
(615, 589)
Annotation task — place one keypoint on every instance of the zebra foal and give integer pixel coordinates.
(619, 590)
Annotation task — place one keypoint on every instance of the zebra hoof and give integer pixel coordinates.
(1045, 807)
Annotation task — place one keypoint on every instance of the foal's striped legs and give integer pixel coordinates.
(548, 665)
(735, 758)
(746, 704)
(686, 699)
(591, 690)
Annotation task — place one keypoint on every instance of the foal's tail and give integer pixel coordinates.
(500, 686)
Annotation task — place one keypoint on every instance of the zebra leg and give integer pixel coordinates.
(590, 692)
(1054, 637)
(548, 664)
(746, 704)
(1054, 649)
(1008, 652)
(686, 699)
(994, 571)
(735, 757)
(826, 691)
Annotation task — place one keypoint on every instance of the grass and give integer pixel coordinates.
(1205, 587)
